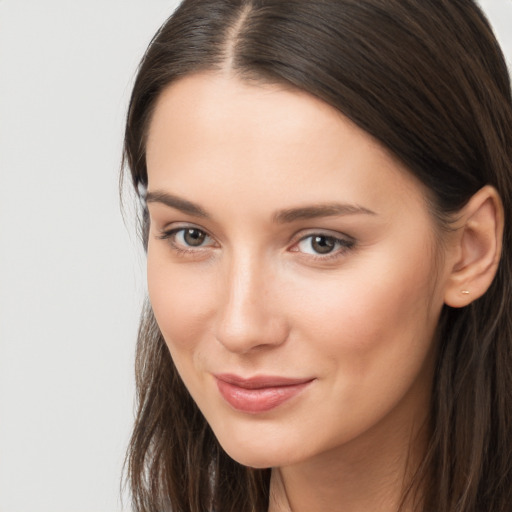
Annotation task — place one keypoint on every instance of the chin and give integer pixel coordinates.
(252, 459)
(259, 452)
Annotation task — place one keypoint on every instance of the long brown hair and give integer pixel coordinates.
(428, 80)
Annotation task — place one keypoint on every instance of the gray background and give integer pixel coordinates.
(71, 273)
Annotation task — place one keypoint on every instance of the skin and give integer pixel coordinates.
(254, 298)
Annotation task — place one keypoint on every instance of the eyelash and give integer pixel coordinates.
(182, 249)
(341, 245)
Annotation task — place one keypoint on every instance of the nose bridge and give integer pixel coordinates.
(248, 315)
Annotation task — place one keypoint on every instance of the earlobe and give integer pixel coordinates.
(477, 248)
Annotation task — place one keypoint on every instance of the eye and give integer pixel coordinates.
(191, 237)
(321, 244)
(187, 238)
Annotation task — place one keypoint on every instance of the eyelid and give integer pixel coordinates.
(306, 233)
(173, 227)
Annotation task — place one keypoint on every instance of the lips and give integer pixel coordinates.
(259, 394)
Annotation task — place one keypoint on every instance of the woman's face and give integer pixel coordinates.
(291, 269)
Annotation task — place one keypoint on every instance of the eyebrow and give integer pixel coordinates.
(321, 210)
(280, 217)
(176, 202)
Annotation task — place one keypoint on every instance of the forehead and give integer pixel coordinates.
(212, 133)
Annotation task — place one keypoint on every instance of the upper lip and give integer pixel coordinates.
(261, 381)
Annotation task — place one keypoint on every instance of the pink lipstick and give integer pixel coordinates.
(258, 394)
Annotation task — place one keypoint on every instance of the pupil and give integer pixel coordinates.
(323, 244)
(194, 237)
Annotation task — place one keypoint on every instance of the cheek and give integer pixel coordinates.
(369, 321)
(182, 302)
(370, 335)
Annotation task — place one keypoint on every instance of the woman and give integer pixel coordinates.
(326, 192)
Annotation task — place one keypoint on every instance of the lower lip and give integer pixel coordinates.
(254, 401)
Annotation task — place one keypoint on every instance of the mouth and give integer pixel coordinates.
(259, 394)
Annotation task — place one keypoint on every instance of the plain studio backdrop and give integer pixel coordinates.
(71, 272)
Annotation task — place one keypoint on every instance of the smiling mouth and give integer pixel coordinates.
(259, 394)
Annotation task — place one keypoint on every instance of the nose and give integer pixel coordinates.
(250, 313)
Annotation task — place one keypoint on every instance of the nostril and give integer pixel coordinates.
(250, 314)
(245, 327)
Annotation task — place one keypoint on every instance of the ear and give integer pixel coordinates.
(477, 248)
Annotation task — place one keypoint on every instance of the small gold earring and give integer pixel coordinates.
(465, 292)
